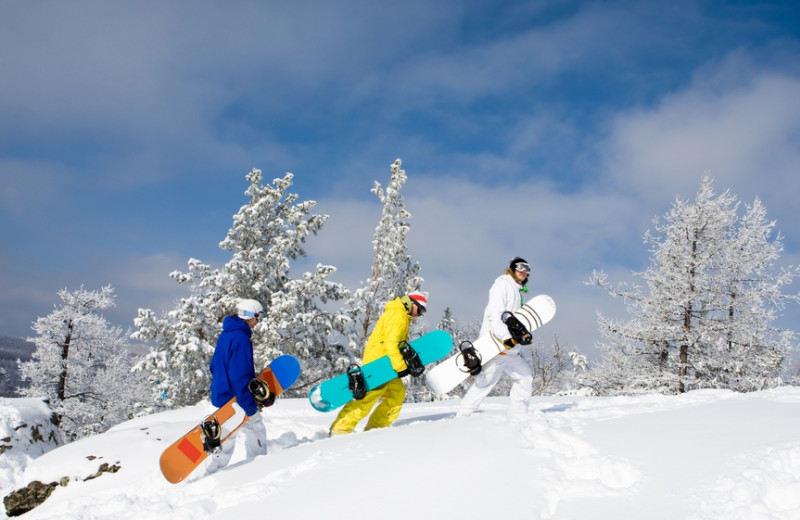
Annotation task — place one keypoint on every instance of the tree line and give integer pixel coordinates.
(705, 320)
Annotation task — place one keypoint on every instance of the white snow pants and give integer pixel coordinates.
(254, 435)
(513, 365)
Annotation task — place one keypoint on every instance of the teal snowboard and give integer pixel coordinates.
(333, 393)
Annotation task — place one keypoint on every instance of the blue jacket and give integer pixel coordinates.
(232, 365)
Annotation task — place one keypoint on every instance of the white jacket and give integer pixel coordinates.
(504, 295)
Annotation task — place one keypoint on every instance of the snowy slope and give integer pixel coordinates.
(705, 455)
(25, 433)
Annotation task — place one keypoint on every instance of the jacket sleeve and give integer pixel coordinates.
(241, 372)
(391, 329)
(503, 296)
(396, 332)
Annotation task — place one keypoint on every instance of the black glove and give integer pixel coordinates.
(414, 364)
(518, 331)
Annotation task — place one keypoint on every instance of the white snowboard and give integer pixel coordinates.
(449, 373)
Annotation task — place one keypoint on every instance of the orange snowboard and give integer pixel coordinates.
(187, 453)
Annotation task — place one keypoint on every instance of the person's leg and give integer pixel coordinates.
(483, 384)
(255, 436)
(519, 370)
(353, 412)
(394, 393)
(220, 459)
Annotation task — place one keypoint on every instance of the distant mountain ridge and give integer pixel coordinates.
(11, 349)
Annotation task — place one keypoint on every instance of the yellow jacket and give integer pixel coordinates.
(390, 330)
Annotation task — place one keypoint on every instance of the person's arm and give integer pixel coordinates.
(396, 331)
(241, 372)
(500, 300)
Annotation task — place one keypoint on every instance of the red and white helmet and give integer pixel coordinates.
(420, 299)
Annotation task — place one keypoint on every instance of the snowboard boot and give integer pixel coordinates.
(211, 435)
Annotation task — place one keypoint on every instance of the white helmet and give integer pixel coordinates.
(247, 309)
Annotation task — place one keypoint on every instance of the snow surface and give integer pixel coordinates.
(703, 455)
(25, 433)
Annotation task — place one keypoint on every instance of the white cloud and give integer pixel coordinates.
(463, 234)
(744, 134)
(501, 161)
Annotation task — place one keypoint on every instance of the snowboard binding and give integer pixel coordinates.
(211, 435)
(471, 357)
(518, 331)
(356, 382)
(261, 393)
(413, 362)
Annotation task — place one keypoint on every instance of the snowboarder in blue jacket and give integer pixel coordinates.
(232, 369)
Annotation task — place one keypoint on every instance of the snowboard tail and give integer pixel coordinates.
(187, 453)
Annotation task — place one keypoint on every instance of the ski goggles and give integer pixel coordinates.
(522, 266)
(256, 315)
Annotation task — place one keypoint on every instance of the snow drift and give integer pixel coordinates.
(703, 455)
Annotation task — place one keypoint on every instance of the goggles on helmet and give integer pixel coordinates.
(250, 314)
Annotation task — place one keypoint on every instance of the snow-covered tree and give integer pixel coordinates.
(559, 372)
(177, 366)
(754, 350)
(393, 274)
(713, 295)
(393, 271)
(82, 366)
(458, 329)
(448, 322)
(268, 233)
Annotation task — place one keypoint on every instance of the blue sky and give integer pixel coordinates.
(551, 130)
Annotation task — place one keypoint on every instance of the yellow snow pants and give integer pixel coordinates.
(391, 394)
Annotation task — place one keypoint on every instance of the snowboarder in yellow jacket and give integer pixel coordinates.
(390, 332)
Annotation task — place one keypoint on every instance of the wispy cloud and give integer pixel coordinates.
(552, 130)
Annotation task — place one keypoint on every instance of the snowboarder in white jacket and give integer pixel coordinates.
(506, 294)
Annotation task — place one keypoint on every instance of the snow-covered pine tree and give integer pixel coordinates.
(753, 351)
(267, 234)
(184, 338)
(713, 292)
(82, 366)
(448, 322)
(393, 272)
(460, 330)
